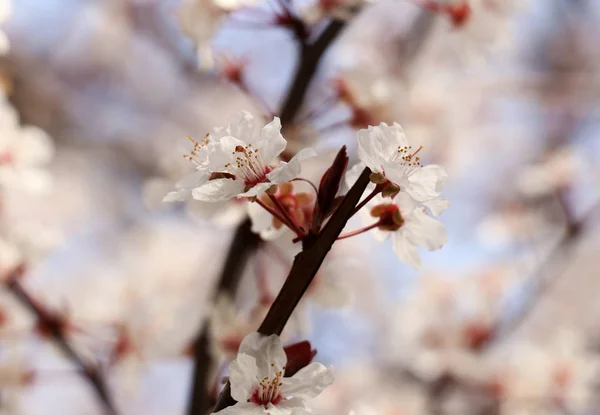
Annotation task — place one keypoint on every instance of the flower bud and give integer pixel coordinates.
(390, 190)
(377, 178)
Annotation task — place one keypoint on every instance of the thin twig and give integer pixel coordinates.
(574, 228)
(55, 331)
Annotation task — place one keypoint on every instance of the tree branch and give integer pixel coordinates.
(310, 56)
(305, 267)
(55, 331)
(244, 241)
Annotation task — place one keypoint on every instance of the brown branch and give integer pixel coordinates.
(305, 267)
(55, 328)
(310, 56)
(244, 241)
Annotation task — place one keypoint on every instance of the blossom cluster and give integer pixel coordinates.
(233, 162)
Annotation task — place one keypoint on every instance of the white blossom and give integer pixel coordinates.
(406, 220)
(385, 149)
(233, 162)
(258, 383)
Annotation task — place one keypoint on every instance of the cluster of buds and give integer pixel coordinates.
(297, 206)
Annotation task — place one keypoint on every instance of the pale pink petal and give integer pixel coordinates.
(406, 251)
(406, 203)
(218, 190)
(257, 189)
(268, 352)
(425, 231)
(272, 142)
(293, 406)
(241, 126)
(289, 171)
(242, 375)
(308, 382)
(426, 183)
(437, 206)
(243, 408)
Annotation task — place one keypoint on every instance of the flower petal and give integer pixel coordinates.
(243, 374)
(308, 382)
(376, 145)
(268, 352)
(426, 183)
(193, 180)
(294, 406)
(406, 203)
(243, 408)
(366, 151)
(425, 231)
(405, 250)
(241, 126)
(218, 190)
(257, 189)
(437, 206)
(271, 143)
(289, 171)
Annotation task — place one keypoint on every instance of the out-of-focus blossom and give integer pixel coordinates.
(444, 324)
(553, 174)
(236, 163)
(371, 97)
(10, 257)
(561, 374)
(199, 20)
(313, 11)
(24, 151)
(229, 326)
(258, 383)
(5, 12)
(14, 371)
(479, 24)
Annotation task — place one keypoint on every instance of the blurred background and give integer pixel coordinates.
(99, 96)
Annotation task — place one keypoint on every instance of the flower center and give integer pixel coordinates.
(407, 157)
(268, 390)
(249, 165)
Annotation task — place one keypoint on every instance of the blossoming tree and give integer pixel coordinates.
(137, 280)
